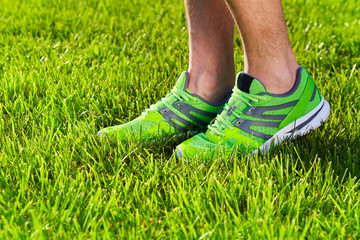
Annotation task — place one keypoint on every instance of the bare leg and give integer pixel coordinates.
(211, 63)
(268, 53)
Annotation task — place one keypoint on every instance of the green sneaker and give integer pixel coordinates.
(179, 111)
(254, 119)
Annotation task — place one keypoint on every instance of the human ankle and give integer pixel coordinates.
(212, 87)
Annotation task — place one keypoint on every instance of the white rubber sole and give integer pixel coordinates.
(300, 127)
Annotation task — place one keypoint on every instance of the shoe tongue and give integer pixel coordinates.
(249, 84)
(182, 81)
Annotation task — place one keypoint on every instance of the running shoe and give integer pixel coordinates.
(179, 111)
(255, 119)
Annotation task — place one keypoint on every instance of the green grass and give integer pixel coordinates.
(69, 68)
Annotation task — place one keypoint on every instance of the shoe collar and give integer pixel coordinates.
(249, 84)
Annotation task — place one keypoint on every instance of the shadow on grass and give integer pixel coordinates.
(341, 152)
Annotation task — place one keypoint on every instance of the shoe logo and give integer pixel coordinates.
(190, 112)
(259, 112)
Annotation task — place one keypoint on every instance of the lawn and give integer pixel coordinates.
(69, 68)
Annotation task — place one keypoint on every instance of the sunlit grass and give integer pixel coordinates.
(69, 68)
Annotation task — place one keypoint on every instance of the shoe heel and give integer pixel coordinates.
(301, 127)
(315, 120)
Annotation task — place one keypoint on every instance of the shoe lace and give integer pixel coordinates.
(168, 100)
(221, 122)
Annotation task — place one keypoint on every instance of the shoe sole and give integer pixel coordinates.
(300, 127)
